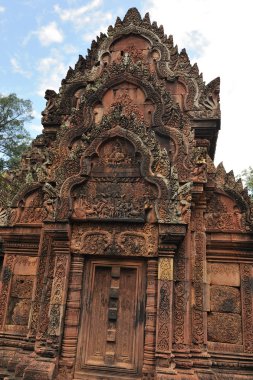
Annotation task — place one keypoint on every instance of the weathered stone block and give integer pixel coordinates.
(224, 274)
(224, 328)
(225, 299)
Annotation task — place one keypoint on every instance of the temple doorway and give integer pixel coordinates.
(111, 335)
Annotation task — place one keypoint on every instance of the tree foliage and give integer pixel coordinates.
(247, 177)
(14, 138)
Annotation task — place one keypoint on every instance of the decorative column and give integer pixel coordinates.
(199, 353)
(150, 326)
(181, 307)
(170, 237)
(49, 301)
(247, 306)
(72, 318)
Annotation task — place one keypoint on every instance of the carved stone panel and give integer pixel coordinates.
(224, 320)
(135, 46)
(31, 209)
(115, 189)
(224, 328)
(223, 214)
(113, 239)
(20, 300)
(224, 274)
(226, 299)
(20, 293)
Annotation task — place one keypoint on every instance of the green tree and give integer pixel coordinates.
(14, 138)
(247, 177)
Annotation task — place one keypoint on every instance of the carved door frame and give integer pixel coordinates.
(94, 372)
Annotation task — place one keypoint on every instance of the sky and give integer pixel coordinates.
(40, 39)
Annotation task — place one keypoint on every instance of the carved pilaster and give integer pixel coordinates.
(198, 318)
(71, 323)
(59, 286)
(247, 306)
(44, 248)
(170, 237)
(49, 298)
(181, 306)
(150, 326)
(43, 319)
(198, 250)
(164, 356)
(5, 286)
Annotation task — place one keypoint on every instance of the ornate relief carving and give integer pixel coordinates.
(48, 113)
(184, 204)
(33, 211)
(247, 306)
(150, 326)
(20, 313)
(165, 270)
(42, 261)
(3, 216)
(6, 277)
(36, 206)
(18, 280)
(180, 296)
(198, 257)
(54, 322)
(20, 300)
(224, 214)
(163, 342)
(57, 295)
(44, 314)
(131, 240)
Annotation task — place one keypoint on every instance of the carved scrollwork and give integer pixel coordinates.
(111, 241)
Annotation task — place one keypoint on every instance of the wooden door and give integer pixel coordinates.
(111, 337)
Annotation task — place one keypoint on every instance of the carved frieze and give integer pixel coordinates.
(127, 240)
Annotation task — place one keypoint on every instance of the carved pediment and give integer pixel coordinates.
(118, 186)
(224, 214)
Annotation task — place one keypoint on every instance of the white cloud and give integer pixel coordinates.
(49, 34)
(217, 34)
(72, 14)
(82, 16)
(101, 19)
(18, 69)
(70, 49)
(51, 71)
(35, 114)
(2, 9)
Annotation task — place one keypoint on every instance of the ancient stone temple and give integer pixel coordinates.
(125, 253)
